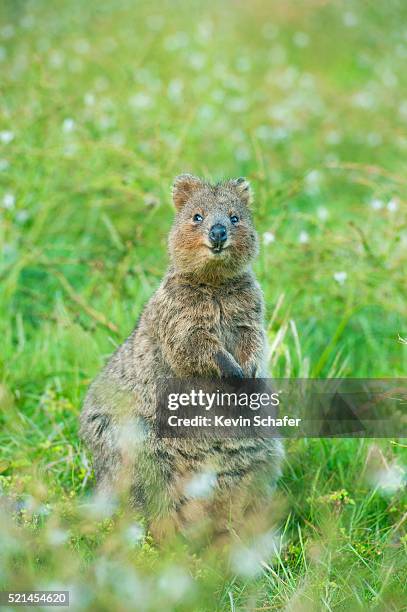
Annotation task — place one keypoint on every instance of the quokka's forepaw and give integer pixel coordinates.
(229, 368)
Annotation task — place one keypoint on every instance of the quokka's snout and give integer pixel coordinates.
(218, 235)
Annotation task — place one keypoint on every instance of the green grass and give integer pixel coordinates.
(102, 104)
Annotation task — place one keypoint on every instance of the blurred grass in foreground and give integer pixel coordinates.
(102, 104)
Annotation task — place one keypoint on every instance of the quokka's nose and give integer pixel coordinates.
(218, 234)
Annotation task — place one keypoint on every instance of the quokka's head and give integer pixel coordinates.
(213, 233)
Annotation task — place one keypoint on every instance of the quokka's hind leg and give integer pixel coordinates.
(190, 518)
(227, 516)
(112, 466)
(164, 529)
(198, 519)
(178, 512)
(217, 516)
(245, 509)
(216, 521)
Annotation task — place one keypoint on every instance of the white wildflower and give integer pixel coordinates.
(206, 112)
(176, 41)
(70, 149)
(340, 277)
(373, 139)
(134, 534)
(392, 205)
(6, 136)
(131, 434)
(263, 132)
(268, 238)
(363, 99)
(389, 479)
(56, 59)
(175, 89)
(301, 39)
(333, 137)
(68, 125)
(376, 204)
(204, 31)
(140, 100)
(401, 51)
(403, 109)
(350, 19)
(303, 238)
(242, 153)
(82, 46)
(102, 505)
(118, 139)
(9, 250)
(22, 216)
(279, 134)
(7, 31)
(89, 99)
(57, 536)
(9, 201)
(238, 105)
(389, 78)
(197, 60)
(27, 22)
(44, 509)
(312, 182)
(313, 178)
(243, 64)
(174, 583)
(322, 213)
(201, 485)
(218, 95)
(248, 561)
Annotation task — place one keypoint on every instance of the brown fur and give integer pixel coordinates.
(205, 319)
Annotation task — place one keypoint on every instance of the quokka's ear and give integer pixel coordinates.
(183, 187)
(243, 189)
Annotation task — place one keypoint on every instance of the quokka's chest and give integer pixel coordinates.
(238, 309)
(236, 315)
(233, 308)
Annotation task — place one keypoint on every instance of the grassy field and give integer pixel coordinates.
(102, 104)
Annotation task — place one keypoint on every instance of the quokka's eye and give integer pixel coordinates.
(234, 219)
(197, 218)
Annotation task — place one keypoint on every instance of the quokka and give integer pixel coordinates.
(204, 320)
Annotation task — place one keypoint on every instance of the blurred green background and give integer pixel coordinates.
(102, 104)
